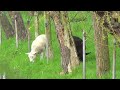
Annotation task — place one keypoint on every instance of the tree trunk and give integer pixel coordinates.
(28, 34)
(7, 27)
(74, 60)
(68, 53)
(114, 60)
(84, 56)
(22, 32)
(65, 51)
(101, 42)
(48, 34)
(36, 23)
(16, 32)
(12, 16)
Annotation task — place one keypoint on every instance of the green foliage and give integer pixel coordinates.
(16, 63)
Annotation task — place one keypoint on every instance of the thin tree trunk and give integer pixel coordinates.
(7, 27)
(12, 16)
(36, 23)
(28, 34)
(16, 32)
(84, 64)
(48, 34)
(114, 60)
(101, 43)
(22, 32)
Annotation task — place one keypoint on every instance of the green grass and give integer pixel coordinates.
(17, 66)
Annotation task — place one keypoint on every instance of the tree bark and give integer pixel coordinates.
(74, 60)
(84, 56)
(22, 32)
(36, 23)
(65, 51)
(28, 34)
(12, 16)
(111, 22)
(16, 32)
(68, 53)
(7, 27)
(101, 43)
(48, 34)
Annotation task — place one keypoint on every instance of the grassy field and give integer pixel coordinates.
(15, 63)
